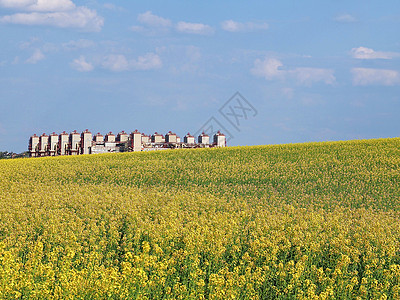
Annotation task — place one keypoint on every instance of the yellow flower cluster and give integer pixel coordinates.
(301, 221)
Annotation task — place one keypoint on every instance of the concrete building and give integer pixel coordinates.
(74, 143)
(84, 143)
(204, 139)
(170, 137)
(98, 138)
(136, 141)
(33, 145)
(157, 138)
(110, 137)
(43, 142)
(106, 147)
(219, 139)
(188, 139)
(53, 144)
(146, 139)
(63, 141)
(122, 137)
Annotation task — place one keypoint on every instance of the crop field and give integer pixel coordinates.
(298, 221)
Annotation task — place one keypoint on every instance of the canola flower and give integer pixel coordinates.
(301, 221)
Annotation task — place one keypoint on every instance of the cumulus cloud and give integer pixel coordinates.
(39, 5)
(271, 68)
(80, 64)
(58, 13)
(36, 56)
(181, 58)
(308, 76)
(369, 76)
(149, 19)
(367, 53)
(29, 43)
(233, 26)
(116, 63)
(112, 6)
(136, 28)
(345, 18)
(119, 62)
(194, 28)
(147, 62)
(78, 44)
(151, 24)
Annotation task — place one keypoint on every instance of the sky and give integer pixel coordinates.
(262, 72)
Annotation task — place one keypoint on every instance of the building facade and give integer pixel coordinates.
(77, 143)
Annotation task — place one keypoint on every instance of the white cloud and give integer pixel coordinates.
(39, 5)
(58, 13)
(112, 6)
(367, 53)
(271, 68)
(118, 62)
(308, 76)
(233, 26)
(149, 19)
(78, 44)
(36, 56)
(194, 28)
(152, 24)
(147, 62)
(345, 18)
(181, 58)
(80, 64)
(368, 76)
(16, 3)
(28, 44)
(136, 28)
(193, 53)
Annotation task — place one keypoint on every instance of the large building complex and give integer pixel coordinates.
(76, 143)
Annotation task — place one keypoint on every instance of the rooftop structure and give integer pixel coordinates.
(63, 145)
(53, 144)
(219, 139)
(98, 138)
(157, 138)
(189, 139)
(170, 137)
(203, 139)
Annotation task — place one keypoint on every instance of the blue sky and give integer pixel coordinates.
(311, 70)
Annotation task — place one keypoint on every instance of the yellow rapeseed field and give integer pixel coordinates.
(301, 221)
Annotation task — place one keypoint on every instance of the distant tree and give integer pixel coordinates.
(4, 155)
(7, 155)
(21, 155)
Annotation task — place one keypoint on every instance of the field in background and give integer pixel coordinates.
(301, 221)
